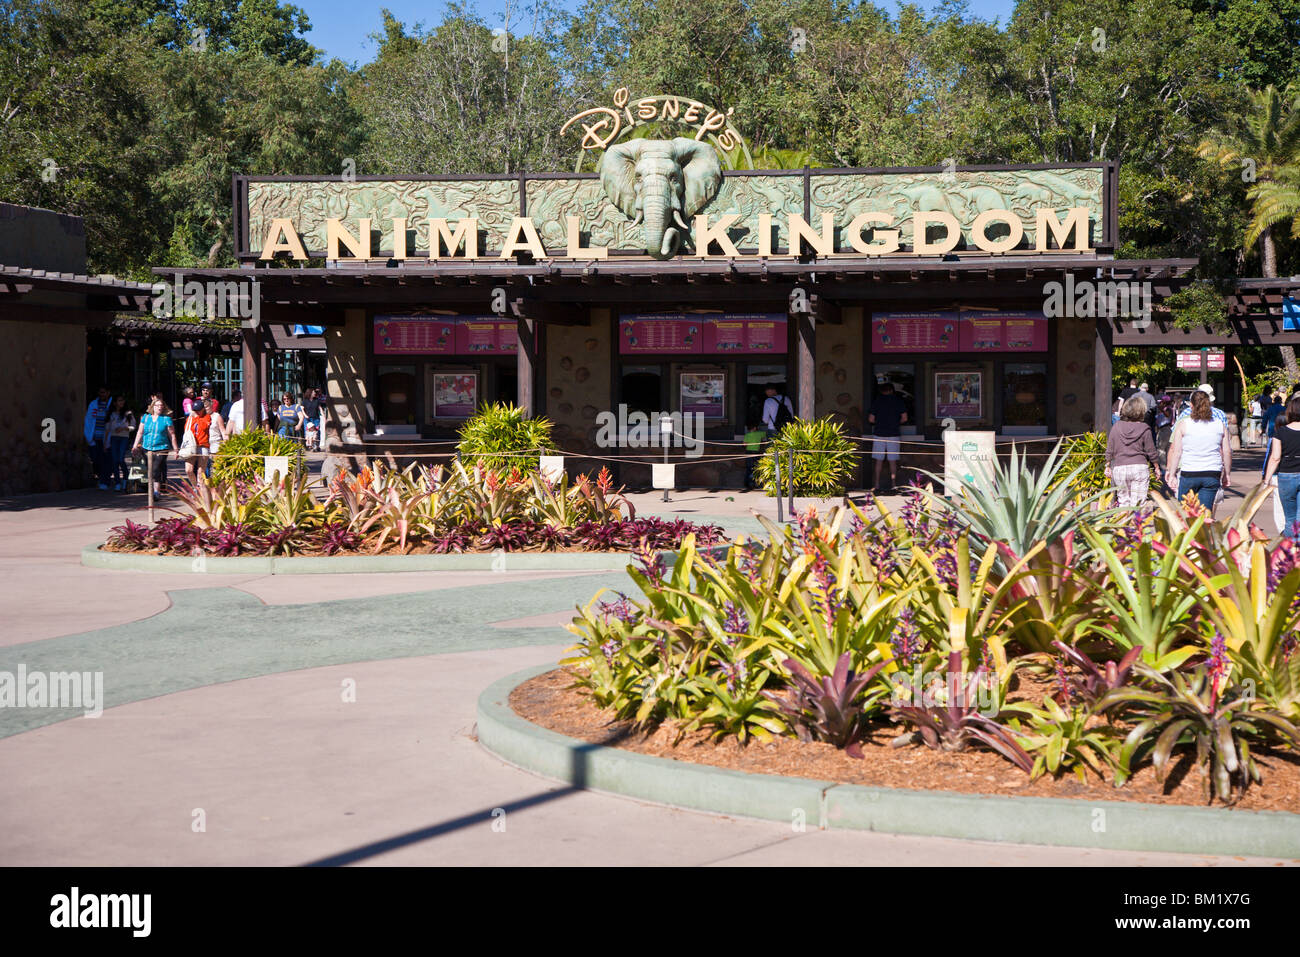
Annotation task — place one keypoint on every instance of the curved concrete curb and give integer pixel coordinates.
(93, 557)
(1115, 825)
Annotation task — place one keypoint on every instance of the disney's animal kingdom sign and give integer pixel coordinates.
(667, 198)
(602, 125)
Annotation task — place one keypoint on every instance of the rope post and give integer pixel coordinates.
(790, 462)
(776, 462)
(149, 483)
(665, 433)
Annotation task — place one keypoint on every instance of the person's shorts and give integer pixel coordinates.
(885, 447)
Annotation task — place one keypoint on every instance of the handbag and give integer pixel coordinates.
(189, 448)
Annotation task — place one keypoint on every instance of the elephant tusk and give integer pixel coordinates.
(677, 218)
(640, 217)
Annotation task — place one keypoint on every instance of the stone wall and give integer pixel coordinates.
(43, 407)
(345, 384)
(577, 380)
(1075, 375)
(841, 391)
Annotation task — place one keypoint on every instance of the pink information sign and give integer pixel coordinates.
(410, 335)
(685, 334)
(486, 335)
(915, 331)
(445, 335)
(745, 334)
(985, 330)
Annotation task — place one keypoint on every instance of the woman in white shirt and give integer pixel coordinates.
(1200, 454)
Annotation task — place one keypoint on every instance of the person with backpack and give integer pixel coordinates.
(777, 411)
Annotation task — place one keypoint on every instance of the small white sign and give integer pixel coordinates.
(551, 467)
(271, 464)
(663, 475)
(967, 456)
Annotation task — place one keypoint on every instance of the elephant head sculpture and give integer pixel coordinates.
(661, 183)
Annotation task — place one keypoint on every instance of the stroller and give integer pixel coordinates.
(135, 473)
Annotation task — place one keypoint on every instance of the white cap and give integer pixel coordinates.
(1206, 388)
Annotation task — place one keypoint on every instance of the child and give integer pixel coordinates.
(754, 436)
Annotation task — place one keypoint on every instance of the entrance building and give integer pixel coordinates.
(984, 294)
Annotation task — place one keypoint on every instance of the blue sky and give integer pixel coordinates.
(342, 28)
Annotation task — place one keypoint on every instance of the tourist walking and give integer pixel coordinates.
(1130, 452)
(289, 416)
(117, 439)
(196, 440)
(187, 403)
(1284, 463)
(1200, 454)
(311, 405)
(94, 428)
(156, 434)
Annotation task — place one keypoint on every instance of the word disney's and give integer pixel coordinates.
(445, 239)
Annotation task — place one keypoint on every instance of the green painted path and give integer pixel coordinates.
(214, 635)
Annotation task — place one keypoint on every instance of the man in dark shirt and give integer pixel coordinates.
(1132, 390)
(886, 415)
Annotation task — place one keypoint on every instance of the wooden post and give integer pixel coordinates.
(1102, 401)
(807, 367)
(526, 364)
(251, 374)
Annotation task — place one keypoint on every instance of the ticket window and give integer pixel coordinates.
(1024, 398)
(396, 395)
(641, 388)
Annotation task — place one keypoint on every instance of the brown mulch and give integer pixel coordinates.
(550, 700)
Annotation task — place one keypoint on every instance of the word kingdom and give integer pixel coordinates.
(443, 240)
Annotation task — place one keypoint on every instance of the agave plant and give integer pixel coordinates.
(832, 708)
(1176, 709)
(1013, 504)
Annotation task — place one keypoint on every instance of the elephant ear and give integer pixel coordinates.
(618, 174)
(701, 173)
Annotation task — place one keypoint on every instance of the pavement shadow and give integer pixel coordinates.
(577, 777)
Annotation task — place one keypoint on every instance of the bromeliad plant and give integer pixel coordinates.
(1221, 721)
(445, 509)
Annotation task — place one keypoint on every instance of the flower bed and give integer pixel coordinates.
(1162, 638)
(409, 511)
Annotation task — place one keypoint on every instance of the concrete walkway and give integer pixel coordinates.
(293, 720)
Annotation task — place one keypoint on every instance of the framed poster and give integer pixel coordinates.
(959, 395)
(704, 392)
(455, 394)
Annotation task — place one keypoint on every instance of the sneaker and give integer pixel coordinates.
(119, 486)
(104, 486)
